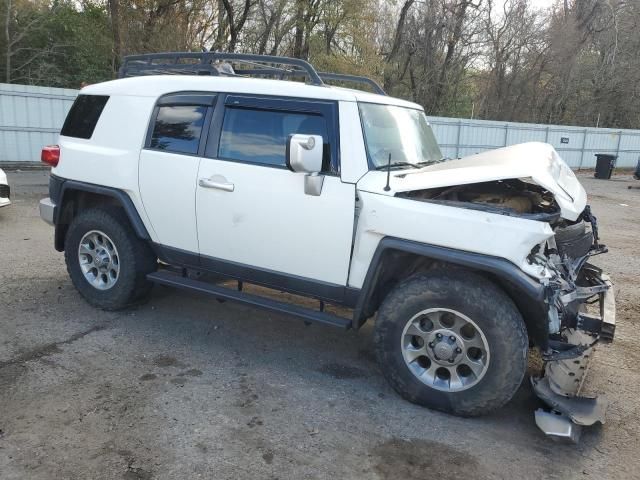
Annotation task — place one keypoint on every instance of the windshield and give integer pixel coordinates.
(402, 132)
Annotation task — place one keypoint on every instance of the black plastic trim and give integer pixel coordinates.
(343, 77)
(204, 63)
(173, 280)
(333, 293)
(149, 64)
(64, 186)
(215, 127)
(514, 278)
(187, 98)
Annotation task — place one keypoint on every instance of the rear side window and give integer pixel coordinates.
(84, 114)
(260, 136)
(178, 128)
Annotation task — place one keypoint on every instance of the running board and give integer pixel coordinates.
(307, 314)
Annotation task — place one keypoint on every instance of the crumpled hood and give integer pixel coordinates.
(535, 162)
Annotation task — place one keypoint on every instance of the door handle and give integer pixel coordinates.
(218, 184)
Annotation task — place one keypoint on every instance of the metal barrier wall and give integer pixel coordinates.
(31, 117)
(576, 145)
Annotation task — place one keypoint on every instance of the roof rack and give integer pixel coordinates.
(209, 63)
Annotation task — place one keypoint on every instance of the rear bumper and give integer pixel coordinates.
(47, 210)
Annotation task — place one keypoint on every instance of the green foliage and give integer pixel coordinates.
(58, 44)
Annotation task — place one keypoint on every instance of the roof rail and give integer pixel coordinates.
(206, 63)
(343, 77)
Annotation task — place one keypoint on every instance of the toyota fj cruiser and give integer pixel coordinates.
(344, 197)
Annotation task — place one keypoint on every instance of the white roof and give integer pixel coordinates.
(158, 85)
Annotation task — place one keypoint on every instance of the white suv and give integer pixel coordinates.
(342, 196)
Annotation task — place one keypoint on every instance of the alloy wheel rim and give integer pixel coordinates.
(99, 260)
(445, 349)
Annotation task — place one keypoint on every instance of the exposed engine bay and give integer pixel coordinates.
(504, 197)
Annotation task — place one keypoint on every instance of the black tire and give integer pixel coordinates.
(136, 258)
(480, 300)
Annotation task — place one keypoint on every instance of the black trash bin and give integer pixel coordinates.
(636, 174)
(604, 165)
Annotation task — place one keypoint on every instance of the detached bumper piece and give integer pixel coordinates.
(567, 363)
(568, 414)
(47, 209)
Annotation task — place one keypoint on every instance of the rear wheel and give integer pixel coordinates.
(452, 341)
(105, 259)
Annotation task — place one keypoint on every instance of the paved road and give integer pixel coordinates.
(186, 387)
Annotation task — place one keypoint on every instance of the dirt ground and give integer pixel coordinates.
(186, 387)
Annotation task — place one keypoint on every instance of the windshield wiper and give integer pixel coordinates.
(432, 162)
(397, 164)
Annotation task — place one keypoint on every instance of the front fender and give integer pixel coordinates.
(527, 293)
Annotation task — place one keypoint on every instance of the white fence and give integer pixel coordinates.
(576, 145)
(31, 117)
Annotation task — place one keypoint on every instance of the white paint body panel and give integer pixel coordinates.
(269, 222)
(110, 157)
(167, 190)
(538, 161)
(457, 228)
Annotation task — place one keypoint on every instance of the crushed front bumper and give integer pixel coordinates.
(567, 360)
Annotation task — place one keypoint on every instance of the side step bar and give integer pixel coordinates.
(307, 314)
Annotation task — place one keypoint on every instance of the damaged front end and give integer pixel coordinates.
(578, 295)
(581, 314)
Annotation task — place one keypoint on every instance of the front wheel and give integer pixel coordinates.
(106, 261)
(451, 341)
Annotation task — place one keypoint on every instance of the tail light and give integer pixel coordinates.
(50, 155)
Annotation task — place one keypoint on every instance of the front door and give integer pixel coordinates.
(254, 218)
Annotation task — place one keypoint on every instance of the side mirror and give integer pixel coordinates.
(304, 153)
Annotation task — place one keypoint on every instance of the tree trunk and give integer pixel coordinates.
(299, 36)
(222, 28)
(114, 11)
(7, 34)
(452, 44)
(397, 40)
(264, 40)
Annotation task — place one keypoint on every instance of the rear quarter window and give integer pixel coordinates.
(84, 114)
(178, 129)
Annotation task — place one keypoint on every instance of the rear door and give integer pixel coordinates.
(168, 167)
(254, 219)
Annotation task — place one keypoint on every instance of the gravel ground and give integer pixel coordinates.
(186, 387)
